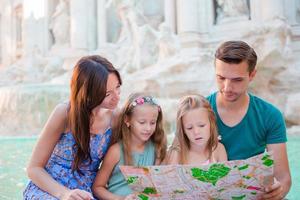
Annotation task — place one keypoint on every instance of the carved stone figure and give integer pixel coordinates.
(60, 23)
(138, 40)
(168, 44)
(228, 10)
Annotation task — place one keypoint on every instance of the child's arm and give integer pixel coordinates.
(110, 160)
(42, 151)
(220, 153)
(172, 156)
(158, 161)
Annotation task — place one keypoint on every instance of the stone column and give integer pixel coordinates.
(91, 24)
(170, 14)
(188, 26)
(78, 34)
(35, 28)
(8, 49)
(205, 15)
(271, 9)
(29, 30)
(256, 10)
(83, 24)
(46, 37)
(291, 7)
(188, 16)
(101, 23)
(0, 39)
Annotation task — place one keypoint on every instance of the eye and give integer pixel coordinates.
(118, 88)
(141, 122)
(221, 78)
(107, 94)
(189, 128)
(153, 123)
(237, 80)
(201, 125)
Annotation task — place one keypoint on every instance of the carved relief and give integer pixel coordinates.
(231, 10)
(137, 37)
(60, 23)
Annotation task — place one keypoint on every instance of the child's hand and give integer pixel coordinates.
(77, 194)
(131, 197)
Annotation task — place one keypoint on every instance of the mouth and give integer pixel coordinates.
(146, 133)
(199, 138)
(228, 93)
(114, 104)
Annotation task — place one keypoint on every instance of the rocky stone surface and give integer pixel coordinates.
(154, 52)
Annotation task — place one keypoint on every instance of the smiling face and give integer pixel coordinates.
(233, 79)
(142, 122)
(112, 96)
(196, 127)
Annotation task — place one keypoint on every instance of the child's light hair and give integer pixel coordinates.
(188, 103)
(123, 132)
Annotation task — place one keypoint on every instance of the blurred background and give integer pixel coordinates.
(164, 47)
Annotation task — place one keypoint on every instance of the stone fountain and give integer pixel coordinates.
(163, 47)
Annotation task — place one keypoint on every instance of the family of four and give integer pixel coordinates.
(89, 130)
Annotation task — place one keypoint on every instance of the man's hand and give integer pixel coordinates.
(274, 191)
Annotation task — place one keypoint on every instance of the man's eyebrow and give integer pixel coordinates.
(238, 78)
(220, 76)
(235, 78)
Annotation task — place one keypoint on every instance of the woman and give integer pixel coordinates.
(76, 137)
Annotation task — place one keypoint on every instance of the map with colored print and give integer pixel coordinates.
(236, 180)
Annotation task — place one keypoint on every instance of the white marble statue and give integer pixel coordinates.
(148, 54)
(228, 10)
(130, 15)
(137, 41)
(168, 43)
(60, 24)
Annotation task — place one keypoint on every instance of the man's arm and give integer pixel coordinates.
(282, 184)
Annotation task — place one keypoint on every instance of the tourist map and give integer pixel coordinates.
(236, 180)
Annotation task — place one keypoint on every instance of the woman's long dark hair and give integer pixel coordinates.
(88, 90)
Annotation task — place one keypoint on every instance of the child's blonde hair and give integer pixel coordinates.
(123, 132)
(188, 103)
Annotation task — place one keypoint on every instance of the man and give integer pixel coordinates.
(247, 123)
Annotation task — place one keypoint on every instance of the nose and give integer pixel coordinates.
(196, 131)
(227, 85)
(148, 127)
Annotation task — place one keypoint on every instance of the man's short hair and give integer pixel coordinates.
(237, 52)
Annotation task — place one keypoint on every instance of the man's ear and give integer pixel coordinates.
(252, 75)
